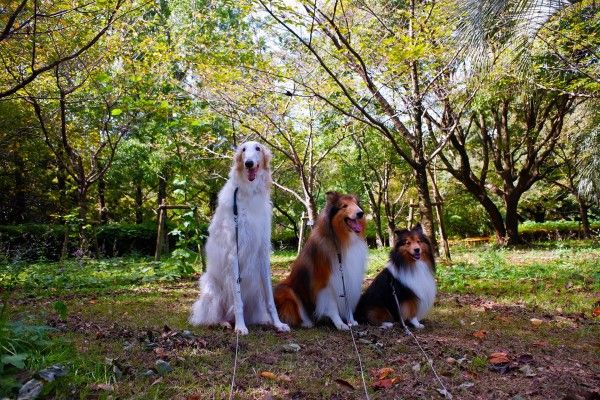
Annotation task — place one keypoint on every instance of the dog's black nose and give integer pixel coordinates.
(249, 164)
(359, 215)
(417, 250)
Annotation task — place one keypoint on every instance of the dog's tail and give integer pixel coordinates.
(288, 305)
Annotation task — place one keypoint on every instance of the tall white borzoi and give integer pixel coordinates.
(222, 300)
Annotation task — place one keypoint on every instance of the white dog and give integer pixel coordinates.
(223, 297)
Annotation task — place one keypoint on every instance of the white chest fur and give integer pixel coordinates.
(354, 262)
(421, 281)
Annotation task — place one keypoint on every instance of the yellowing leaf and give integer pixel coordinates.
(383, 373)
(268, 375)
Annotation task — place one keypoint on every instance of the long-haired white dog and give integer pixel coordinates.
(223, 297)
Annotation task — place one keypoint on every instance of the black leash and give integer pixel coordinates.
(235, 218)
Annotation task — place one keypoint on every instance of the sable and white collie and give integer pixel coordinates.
(411, 272)
(223, 299)
(313, 290)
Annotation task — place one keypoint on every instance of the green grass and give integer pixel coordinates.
(141, 295)
(88, 273)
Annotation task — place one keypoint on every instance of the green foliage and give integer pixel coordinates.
(61, 308)
(45, 241)
(89, 274)
(21, 344)
(554, 230)
(535, 276)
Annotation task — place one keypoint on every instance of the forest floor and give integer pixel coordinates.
(508, 324)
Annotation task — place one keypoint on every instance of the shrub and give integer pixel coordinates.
(554, 230)
(45, 241)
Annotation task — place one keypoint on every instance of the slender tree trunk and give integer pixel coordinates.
(425, 211)
(376, 211)
(583, 214)
(82, 212)
(103, 211)
(390, 223)
(411, 211)
(440, 216)
(19, 208)
(139, 199)
(162, 220)
(311, 206)
(62, 189)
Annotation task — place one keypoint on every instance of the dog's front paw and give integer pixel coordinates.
(386, 325)
(417, 324)
(342, 326)
(352, 322)
(281, 327)
(241, 329)
(307, 324)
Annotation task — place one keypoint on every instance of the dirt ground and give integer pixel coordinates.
(541, 356)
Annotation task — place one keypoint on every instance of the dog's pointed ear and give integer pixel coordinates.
(399, 233)
(267, 156)
(332, 197)
(418, 228)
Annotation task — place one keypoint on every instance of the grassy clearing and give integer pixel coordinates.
(117, 309)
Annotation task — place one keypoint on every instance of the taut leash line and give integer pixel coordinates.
(348, 318)
(237, 344)
(407, 331)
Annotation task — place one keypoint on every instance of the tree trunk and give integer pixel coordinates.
(160, 232)
(139, 199)
(19, 208)
(512, 220)
(425, 211)
(376, 211)
(162, 222)
(311, 208)
(583, 214)
(102, 210)
(440, 216)
(82, 212)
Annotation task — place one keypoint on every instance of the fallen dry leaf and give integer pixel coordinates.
(268, 375)
(596, 312)
(384, 383)
(498, 358)
(382, 373)
(536, 321)
(344, 383)
(480, 334)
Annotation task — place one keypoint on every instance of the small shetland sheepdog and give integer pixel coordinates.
(314, 290)
(411, 274)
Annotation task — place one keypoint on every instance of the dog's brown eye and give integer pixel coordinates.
(257, 148)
